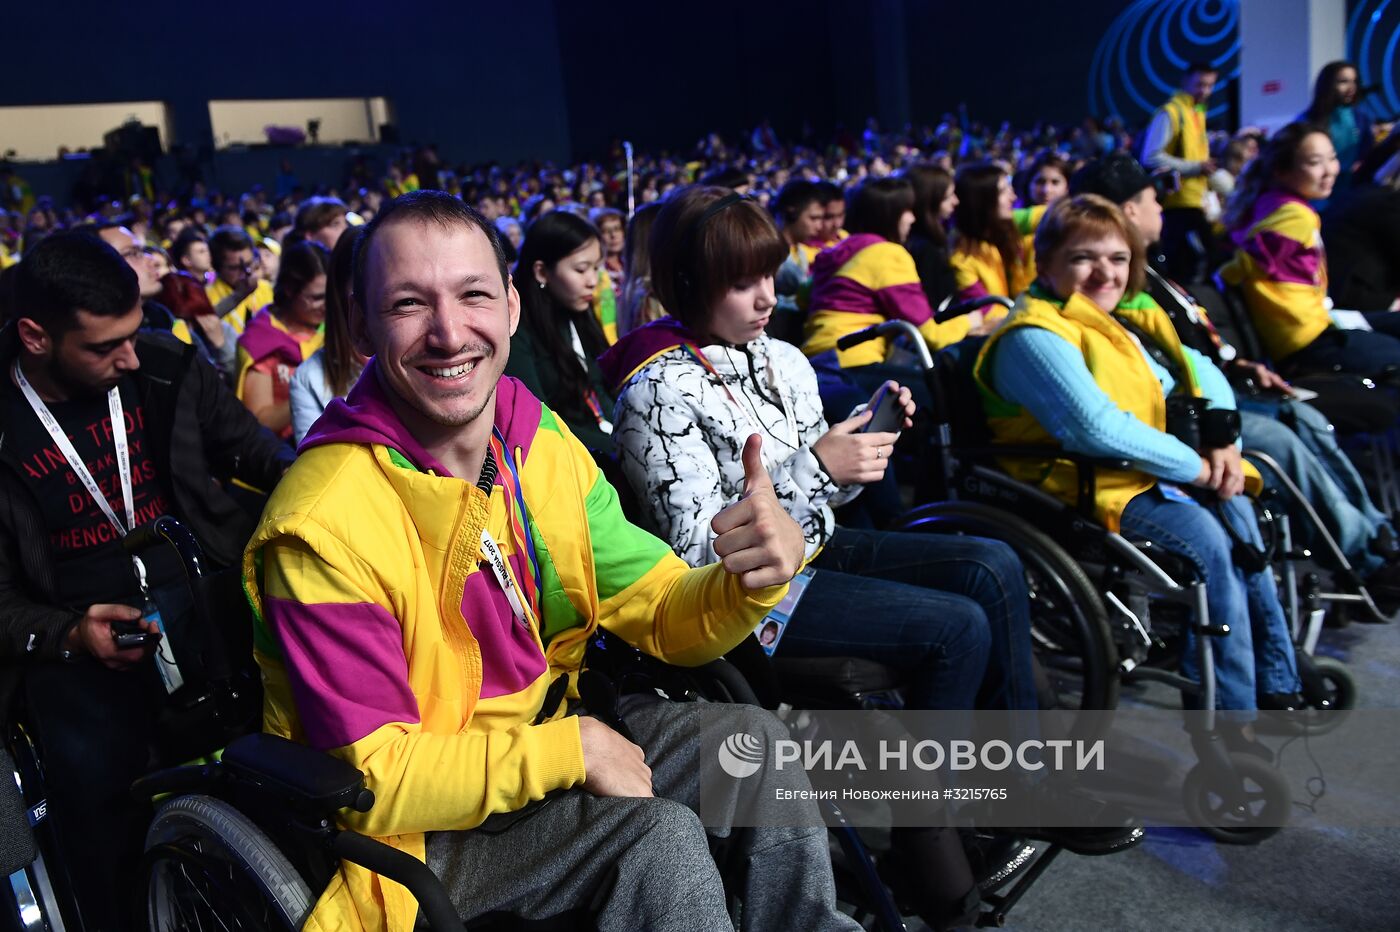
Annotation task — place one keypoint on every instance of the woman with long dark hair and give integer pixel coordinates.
(1333, 109)
(992, 248)
(283, 335)
(332, 369)
(935, 199)
(555, 350)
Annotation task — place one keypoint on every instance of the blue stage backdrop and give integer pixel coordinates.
(1140, 58)
(1373, 43)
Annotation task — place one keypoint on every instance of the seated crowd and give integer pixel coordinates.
(336, 364)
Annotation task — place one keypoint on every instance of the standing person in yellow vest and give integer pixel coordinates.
(1176, 141)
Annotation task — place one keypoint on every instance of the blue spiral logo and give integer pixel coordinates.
(741, 755)
(1139, 62)
(1373, 38)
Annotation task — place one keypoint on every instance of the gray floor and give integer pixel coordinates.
(1299, 879)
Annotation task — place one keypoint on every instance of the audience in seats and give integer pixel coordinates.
(870, 277)
(76, 353)
(1068, 369)
(935, 199)
(706, 398)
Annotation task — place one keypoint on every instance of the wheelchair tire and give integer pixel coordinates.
(1332, 679)
(1069, 622)
(202, 855)
(1261, 812)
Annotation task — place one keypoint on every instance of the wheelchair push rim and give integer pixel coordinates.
(1070, 632)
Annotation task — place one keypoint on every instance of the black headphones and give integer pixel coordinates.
(692, 236)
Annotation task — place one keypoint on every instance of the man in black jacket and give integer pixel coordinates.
(103, 427)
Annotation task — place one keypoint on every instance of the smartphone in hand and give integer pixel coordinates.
(888, 417)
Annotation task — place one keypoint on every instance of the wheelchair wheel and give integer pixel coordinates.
(1252, 808)
(208, 867)
(1326, 683)
(1069, 623)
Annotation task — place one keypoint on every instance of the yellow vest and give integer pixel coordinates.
(1189, 141)
(1117, 366)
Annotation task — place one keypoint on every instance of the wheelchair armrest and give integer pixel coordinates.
(296, 774)
(433, 902)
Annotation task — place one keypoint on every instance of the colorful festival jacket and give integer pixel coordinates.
(1280, 264)
(385, 639)
(861, 281)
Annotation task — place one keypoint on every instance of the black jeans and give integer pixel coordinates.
(94, 728)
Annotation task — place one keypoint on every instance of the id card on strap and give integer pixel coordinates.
(770, 630)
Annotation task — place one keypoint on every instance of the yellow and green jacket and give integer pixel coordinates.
(383, 642)
(980, 269)
(1188, 141)
(246, 309)
(605, 306)
(861, 281)
(1117, 365)
(1281, 267)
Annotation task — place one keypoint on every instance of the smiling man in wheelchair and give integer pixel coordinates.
(426, 580)
(104, 429)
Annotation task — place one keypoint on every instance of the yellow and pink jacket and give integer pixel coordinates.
(383, 642)
(979, 268)
(1281, 267)
(861, 281)
(267, 337)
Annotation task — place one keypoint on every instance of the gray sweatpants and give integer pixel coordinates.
(646, 863)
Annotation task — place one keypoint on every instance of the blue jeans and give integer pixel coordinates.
(1349, 516)
(950, 613)
(1258, 648)
(1365, 352)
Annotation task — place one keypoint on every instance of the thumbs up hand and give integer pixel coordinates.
(756, 538)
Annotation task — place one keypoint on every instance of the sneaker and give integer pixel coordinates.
(1116, 828)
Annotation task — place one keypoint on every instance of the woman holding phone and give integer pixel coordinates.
(706, 402)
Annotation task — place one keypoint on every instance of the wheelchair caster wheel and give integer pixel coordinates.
(1330, 691)
(1242, 807)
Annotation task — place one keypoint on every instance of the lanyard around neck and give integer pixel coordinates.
(590, 397)
(524, 593)
(75, 462)
(751, 415)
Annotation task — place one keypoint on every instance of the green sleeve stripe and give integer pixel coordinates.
(263, 640)
(559, 613)
(547, 421)
(622, 552)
